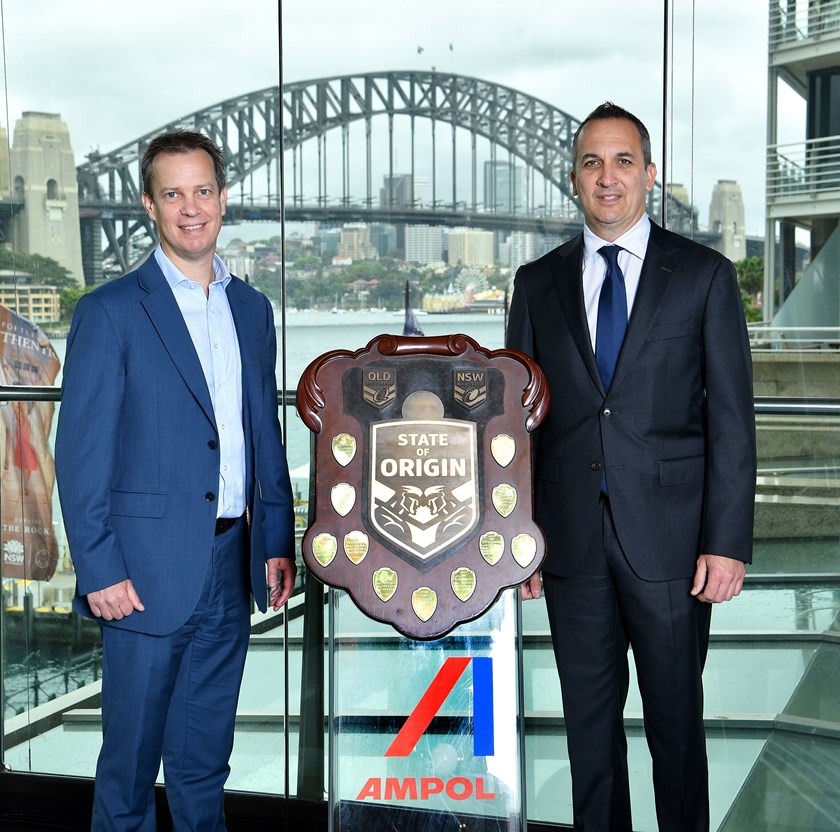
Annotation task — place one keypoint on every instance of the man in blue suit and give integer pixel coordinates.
(644, 473)
(175, 493)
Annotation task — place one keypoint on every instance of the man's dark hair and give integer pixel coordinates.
(180, 141)
(606, 111)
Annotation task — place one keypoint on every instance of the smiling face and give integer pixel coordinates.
(188, 206)
(610, 176)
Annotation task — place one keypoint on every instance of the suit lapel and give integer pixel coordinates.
(569, 287)
(251, 401)
(654, 280)
(162, 309)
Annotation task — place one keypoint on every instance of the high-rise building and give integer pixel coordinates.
(469, 247)
(383, 238)
(423, 244)
(726, 216)
(505, 188)
(355, 242)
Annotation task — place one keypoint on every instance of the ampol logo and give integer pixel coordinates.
(457, 788)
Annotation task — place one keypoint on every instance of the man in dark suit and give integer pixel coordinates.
(175, 494)
(644, 476)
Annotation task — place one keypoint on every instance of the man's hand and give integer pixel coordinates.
(532, 588)
(717, 578)
(115, 602)
(281, 580)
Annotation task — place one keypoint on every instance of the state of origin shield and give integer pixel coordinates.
(423, 478)
(422, 502)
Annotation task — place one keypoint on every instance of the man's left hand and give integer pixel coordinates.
(717, 578)
(281, 580)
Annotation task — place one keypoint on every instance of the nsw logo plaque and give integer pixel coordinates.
(422, 499)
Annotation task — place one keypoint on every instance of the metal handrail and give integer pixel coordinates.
(803, 168)
(765, 337)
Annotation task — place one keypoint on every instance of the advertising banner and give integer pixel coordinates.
(27, 358)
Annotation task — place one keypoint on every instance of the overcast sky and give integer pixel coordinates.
(116, 70)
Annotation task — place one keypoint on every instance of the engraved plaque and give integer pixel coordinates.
(420, 429)
(385, 582)
(424, 602)
(524, 549)
(492, 547)
(324, 547)
(343, 449)
(463, 583)
(504, 499)
(356, 545)
(469, 387)
(503, 448)
(343, 498)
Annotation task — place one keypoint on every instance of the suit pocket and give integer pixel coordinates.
(138, 503)
(678, 329)
(548, 468)
(682, 471)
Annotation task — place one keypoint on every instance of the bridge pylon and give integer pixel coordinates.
(43, 178)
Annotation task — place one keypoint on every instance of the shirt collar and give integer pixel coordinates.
(634, 240)
(174, 276)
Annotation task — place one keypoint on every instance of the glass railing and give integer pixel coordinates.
(801, 20)
(772, 714)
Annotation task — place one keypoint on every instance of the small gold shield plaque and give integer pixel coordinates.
(463, 582)
(504, 499)
(503, 448)
(343, 448)
(343, 498)
(492, 547)
(324, 547)
(424, 602)
(356, 545)
(524, 548)
(385, 583)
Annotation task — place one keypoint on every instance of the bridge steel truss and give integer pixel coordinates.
(248, 129)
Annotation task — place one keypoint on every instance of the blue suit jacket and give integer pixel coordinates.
(137, 448)
(675, 433)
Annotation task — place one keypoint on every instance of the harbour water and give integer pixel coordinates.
(311, 334)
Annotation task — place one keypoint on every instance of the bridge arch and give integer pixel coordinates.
(255, 128)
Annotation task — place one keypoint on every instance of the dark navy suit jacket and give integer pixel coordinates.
(137, 448)
(676, 431)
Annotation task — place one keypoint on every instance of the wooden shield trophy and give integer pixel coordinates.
(423, 507)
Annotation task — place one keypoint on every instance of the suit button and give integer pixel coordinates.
(595, 466)
(607, 413)
(212, 444)
(209, 496)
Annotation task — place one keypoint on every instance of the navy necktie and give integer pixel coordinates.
(612, 316)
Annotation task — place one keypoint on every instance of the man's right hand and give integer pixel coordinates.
(115, 602)
(532, 588)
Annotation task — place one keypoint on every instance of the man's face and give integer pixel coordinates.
(610, 177)
(186, 204)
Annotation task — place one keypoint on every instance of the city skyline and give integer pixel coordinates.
(135, 97)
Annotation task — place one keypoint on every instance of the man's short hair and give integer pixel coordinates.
(606, 111)
(180, 141)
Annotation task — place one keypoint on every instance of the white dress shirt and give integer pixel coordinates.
(634, 242)
(210, 324)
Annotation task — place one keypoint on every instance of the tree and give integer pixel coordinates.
(750, 274)
(44, 269)
(68, 300)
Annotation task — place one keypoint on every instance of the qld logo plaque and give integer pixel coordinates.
(422, 508)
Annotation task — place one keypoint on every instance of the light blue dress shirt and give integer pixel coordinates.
(210, 324)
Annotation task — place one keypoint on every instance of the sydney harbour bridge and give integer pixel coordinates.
(341, 137)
